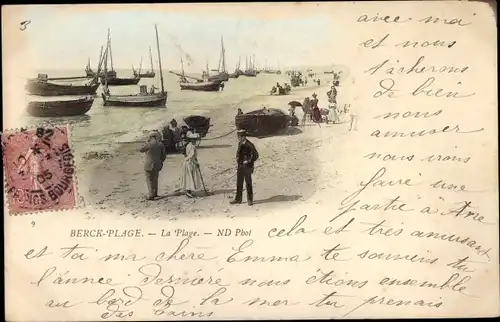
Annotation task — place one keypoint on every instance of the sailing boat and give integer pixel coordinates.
(237, 71)
(202, 84)
(250, 68)
(114, 80)
(91, 73)
(143, 99)
(147, 74)
(222, 73)
(88, 69)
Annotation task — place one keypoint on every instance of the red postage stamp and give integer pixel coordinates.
(39, 170)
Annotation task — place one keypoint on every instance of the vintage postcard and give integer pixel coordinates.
(212, 161)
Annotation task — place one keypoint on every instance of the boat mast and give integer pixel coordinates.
(101, 56)
(182, 67)
(159, 60)
(140, 67)
(151, 59)
(105, 59)
(223, 55)
(110, 51)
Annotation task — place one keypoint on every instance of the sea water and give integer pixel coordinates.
(103, 126)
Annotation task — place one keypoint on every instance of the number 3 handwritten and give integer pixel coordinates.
(25, 24)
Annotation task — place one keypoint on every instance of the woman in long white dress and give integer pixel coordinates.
(191, 173)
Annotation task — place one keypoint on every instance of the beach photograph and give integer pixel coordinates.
(167, 122)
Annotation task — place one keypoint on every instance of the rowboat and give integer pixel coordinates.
(60, 108)
(44, 86)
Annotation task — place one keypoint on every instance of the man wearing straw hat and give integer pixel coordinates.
(153, 163)
(245, 157)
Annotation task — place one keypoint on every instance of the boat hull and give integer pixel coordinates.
(43, 88)
(250, 74)
(220, 77)
(135, 100)
(91, 73)
(60, 108)
(205, 87)
(262, 123)
(117, 81)
(145, 75)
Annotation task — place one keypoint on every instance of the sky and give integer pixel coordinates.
(64, 39)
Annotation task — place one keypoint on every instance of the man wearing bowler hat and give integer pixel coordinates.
(245, 158)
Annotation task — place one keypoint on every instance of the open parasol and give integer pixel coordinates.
(294, 104)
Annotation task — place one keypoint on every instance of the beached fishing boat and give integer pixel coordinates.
(58, 86)
(262, 122)
(111, 78)
(60, 108)
(147, 74)
(199, 84)
(144, 98)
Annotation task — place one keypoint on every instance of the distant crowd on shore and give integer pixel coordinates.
(333, 114)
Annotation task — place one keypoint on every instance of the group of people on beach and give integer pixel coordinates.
(332, 114)
(281, 90)
(191, 179)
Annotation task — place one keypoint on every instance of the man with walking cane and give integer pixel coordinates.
(245, 157)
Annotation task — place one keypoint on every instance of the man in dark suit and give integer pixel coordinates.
(245, 158)
(155, 156)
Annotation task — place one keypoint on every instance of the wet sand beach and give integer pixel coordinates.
(290, 168)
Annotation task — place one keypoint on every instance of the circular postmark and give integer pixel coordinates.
(39, 168)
